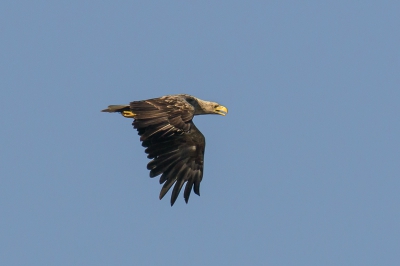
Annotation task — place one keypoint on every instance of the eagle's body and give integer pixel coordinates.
(171, 139)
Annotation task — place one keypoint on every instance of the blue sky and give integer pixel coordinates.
(304, 170)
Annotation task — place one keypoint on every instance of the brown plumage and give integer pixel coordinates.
(171, 139)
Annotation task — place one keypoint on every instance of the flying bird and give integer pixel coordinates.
(171, 139)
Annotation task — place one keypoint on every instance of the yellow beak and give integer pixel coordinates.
(221, 110)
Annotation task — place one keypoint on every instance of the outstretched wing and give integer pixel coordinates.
(173, 142)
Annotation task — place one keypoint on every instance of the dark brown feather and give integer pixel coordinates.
(173, 142)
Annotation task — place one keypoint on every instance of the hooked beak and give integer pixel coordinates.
(221, 110)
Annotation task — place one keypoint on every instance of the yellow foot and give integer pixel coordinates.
(128, 114)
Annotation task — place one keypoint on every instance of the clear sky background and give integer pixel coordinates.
(304, 170)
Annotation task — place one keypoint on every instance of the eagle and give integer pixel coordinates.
(171, 139)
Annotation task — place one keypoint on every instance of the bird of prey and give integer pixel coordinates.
(171, 139)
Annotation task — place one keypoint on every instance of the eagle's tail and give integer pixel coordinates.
(125, 110)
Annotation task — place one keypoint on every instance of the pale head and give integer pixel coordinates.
(202, 107)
